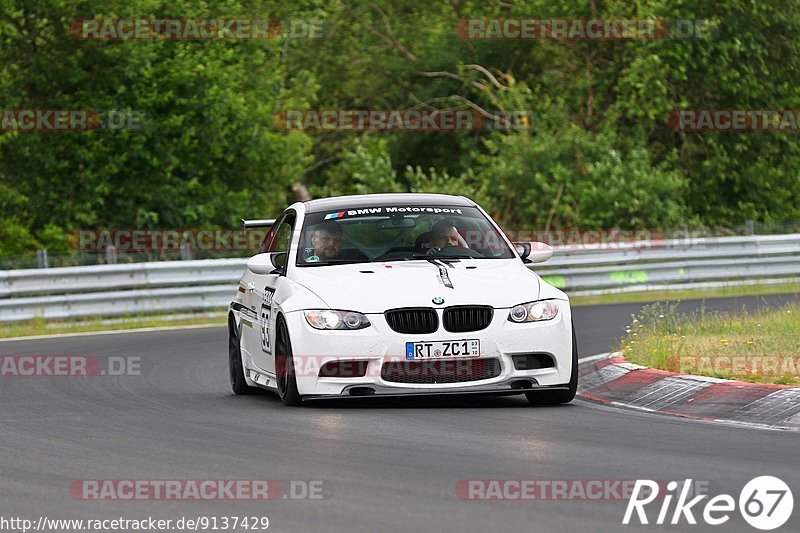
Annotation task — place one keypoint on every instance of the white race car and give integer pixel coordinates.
(398, 295)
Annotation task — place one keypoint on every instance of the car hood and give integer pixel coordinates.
(376, 287)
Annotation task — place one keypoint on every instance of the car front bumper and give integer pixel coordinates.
(379, 344)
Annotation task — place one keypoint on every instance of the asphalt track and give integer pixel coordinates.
(387, 465)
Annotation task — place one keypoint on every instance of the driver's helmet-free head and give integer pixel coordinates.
(444, 234)
(326, 241)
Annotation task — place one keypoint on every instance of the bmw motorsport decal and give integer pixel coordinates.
(392, 210)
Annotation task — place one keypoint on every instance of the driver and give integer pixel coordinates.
(444, 234)
(326, 238)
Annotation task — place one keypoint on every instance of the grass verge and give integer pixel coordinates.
(41, 326)
(760, 346)
(686, 294)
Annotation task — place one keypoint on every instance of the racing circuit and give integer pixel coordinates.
(385, 464)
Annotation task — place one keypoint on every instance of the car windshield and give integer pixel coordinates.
(399, 233)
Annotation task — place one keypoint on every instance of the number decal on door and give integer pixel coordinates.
(265, 316)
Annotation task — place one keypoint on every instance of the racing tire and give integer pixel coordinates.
(235, 367)
(556, 397)
(284, 367)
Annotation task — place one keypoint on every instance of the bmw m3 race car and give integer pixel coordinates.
(396, 295)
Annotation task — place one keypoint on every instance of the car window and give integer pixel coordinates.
(271, 239)
(397, 233)
(283, 236)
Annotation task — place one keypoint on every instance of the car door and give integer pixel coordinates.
(258, 340)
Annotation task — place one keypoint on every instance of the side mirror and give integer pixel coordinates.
(534, 252)
(268, 263)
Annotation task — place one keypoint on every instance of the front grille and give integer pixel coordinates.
(532, 361)
(459, 319)
(440, 371)
(413, 320)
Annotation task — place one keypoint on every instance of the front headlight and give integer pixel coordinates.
(332, 319)
(534, 311)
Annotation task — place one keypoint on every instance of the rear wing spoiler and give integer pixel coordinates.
(262, 223)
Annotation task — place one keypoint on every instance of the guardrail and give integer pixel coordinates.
(138, 288)
(648, 265)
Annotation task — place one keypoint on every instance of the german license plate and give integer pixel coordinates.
(443, 349)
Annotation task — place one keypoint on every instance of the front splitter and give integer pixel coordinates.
(389, 392)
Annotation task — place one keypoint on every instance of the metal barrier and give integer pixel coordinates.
(139, 288)
(647, 265)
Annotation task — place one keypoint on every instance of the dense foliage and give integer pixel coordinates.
(597, 150)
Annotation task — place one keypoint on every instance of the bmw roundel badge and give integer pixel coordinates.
(438, 300)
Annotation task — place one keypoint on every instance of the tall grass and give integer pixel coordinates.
(761, 345)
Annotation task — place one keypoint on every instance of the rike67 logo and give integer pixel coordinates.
(765, 503)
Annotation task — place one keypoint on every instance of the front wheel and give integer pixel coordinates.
(556, 397)
(284, 367)
(235, 367)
